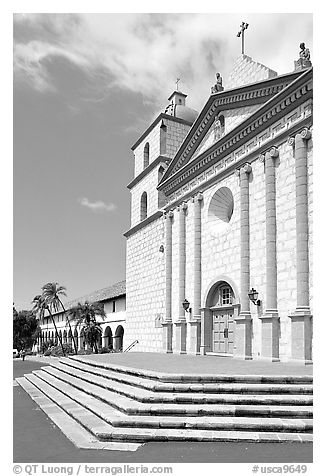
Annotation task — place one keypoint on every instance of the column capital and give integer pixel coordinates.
(305, 134)
(183, 206)
(273, 152)
(291, 141)
(197, 198)
(168, 214)
(246, 168)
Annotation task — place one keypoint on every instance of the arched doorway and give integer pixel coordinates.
(119, 338)
(108, 339)
(220, 309)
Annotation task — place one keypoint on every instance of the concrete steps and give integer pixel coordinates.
(132, 406)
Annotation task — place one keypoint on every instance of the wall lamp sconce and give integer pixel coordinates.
(253, 296)
(185, 305)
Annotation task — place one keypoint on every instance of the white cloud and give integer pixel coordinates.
(146, 52)
(97, 206)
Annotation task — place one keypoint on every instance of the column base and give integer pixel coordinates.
(270, 329)
(243, 336)
(194, 336)
(167, 336)
(180, 337)
(301, 335)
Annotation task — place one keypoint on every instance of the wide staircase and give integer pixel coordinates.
(116, 403)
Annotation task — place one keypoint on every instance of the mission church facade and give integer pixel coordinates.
(219, 252)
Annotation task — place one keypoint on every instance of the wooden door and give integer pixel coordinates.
(223, 331)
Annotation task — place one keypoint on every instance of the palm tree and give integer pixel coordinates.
(86, 313)
(52, 293)
(40, 306)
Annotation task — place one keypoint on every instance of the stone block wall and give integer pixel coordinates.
(175, 134)
(247, 71)
(145, 283)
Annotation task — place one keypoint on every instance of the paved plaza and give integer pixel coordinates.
(205, 364)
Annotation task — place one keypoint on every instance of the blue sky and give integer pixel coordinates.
(85, 87)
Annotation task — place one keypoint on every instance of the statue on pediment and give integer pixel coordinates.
(218, 128)
(304, 58)
(218, 85)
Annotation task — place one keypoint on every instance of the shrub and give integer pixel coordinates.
(46, 345)
(84, 352)
(47, 352)
(56, 351)
(106, 350)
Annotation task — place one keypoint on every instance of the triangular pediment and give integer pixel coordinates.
(235, 106)
(224, 122)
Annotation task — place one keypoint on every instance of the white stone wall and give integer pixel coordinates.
(145, 281)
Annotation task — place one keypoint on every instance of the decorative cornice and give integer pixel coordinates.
(143, 223)
(281, 104)
(160, 159)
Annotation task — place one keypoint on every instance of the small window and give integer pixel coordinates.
(143, 206)
(223, 295)
(146, 155)
(226, 295)
(113, 306)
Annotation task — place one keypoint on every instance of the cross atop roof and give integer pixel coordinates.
(241, 32)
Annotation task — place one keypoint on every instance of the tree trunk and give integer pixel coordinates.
(57, 333)
(72, 335)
